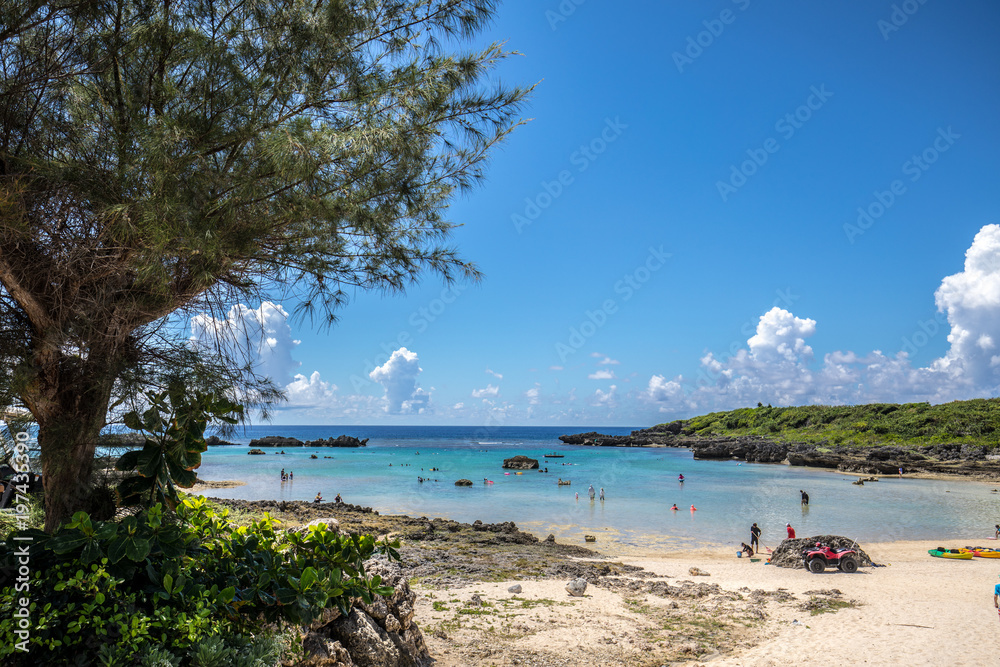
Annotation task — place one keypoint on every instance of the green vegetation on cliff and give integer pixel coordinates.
(974, 422)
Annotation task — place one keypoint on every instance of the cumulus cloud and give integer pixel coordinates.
(309, 392)
(489, 390)
(972, 301)
(601, 375)
(398, 376)
(262, 333)
(533, 395)
(777, 364)
(608, 361)
(605, 398)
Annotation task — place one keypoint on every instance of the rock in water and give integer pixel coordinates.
(464, 482)
(577, 587)
(520, 462)
(515, 589)
(256, 452)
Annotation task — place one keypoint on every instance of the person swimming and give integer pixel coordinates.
(680, 478)
(675, 507)
(693, 508)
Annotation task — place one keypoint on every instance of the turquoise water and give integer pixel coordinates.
(640, 486)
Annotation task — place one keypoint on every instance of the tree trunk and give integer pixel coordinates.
(69, 400)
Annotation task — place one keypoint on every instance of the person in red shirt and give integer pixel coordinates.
(791, 531)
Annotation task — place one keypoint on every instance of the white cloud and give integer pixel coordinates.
(601, 375)
(458, 406)
(605, 399)
(608, 361)
(777, 364)
(533, 394)
(263, 333)
(489, 390)
(555, 368)
(971, 300)
(494, 374)
(781, 335)
(398, 376)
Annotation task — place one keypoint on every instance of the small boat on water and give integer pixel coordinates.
(555, 455)
(959, 554)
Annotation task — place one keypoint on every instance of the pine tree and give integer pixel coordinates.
(170, 157)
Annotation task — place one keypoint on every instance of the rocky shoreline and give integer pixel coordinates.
(456, 579)
(945, 459)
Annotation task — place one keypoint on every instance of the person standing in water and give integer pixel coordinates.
(590, 491)
(805, 497)
(602, 494)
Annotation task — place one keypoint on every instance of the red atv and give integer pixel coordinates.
(819, 557)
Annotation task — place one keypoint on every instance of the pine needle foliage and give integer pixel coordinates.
(181, 156)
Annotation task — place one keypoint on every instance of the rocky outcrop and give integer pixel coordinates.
(747, 448)
(380, 634)
(216, 441)
(464, 482)
(789, 552)
(339, 441)
(520, 462)
(276, 441)
(256, 452)
(279, 441)
(595, 439)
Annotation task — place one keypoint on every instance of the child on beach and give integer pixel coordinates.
(791, 531)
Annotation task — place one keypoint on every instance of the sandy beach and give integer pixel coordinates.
(916, 610)
(650, 609)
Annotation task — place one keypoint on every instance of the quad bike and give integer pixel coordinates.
(819, 557)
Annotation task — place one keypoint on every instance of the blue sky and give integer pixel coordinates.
(676, 230)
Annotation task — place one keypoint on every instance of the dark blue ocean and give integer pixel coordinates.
(640, 486)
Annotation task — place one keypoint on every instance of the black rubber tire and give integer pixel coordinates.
(848, 565)
(817, 565)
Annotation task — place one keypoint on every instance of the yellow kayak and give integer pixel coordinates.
(984, 552)
(959, 554)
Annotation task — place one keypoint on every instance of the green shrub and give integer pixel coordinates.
(161, 586)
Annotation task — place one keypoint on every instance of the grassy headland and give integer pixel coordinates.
(974, 422)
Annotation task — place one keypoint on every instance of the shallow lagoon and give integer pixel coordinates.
(640, 486)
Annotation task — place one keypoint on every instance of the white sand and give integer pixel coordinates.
(917, 610)
(950, 600)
